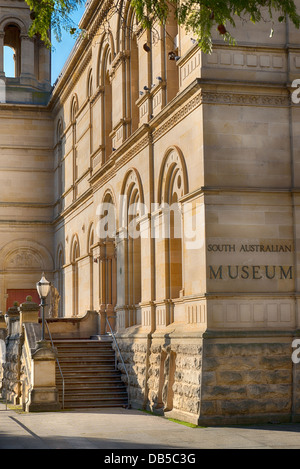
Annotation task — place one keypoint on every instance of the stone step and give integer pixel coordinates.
(71, 394)
(96, 404)
(89, 374)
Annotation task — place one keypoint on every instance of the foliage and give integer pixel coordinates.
(200, 16)
(197, 16)
(54, 15)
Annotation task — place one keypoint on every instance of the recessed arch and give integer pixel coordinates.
(12, 41)
(60, 261)
(60, 258)
(74, 256)
(173, 163)
(90, 238)
(10, 19)
(89, 84)
(74, 108)
(59, 130)
(75, 248)
(173, 184)
(106, 55)
(38, 250)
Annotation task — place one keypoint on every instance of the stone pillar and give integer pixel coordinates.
(147, 280)
(3, 332)
(43, 394)
(2, 74)
(44, 63)
(11, 367)
(111, 281)
(29, 312)
(11, 317)
(102, 289)
(122, 310)
(27, 57)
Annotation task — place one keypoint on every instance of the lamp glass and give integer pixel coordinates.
(43, 287)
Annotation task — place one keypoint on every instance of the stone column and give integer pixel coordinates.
(44, 64)
(102, 289)
(2, 74)
(27, 57)
(147, 280)
(122, 315)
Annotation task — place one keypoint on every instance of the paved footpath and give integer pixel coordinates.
(115, 430)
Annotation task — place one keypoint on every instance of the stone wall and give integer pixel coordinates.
(247, 380)
(175, 376)
(2, 355)
(134, 353)
(165, 374)
(214, 381)
(11, 367)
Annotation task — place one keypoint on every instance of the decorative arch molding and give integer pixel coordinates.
(8, 19)
(89, 83)
(25, 254)
(131, 192)
(59, 130)
(132, 177)
(60, 257)
(90, 238)
(125, 30)
(74, 107)
(106, 48)
(109, 194)
(75, 245)
(173, 167)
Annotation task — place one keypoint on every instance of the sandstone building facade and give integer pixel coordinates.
(159, 186)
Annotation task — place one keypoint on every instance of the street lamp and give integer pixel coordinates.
(43, 288)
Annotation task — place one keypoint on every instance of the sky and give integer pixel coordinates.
(60, 51)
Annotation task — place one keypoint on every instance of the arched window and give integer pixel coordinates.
(132, 68)
(171, 50)
(173, 186)
(107, 113)
(60, 281)
(90, 84)
(74, 110)
(9, 62)
(132, 211)
(75, 254)
(104, 81)
(134, 84)
(12, 50)
(107, 259)
(90, 253)
(59, 160)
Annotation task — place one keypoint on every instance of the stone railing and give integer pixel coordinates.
(28, 375)
(3, 334)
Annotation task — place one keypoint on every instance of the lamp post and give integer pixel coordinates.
(43, 288)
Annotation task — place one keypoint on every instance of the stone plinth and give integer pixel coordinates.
(29, 312)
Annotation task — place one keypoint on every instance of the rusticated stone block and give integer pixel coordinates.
(223, 392)
(254, 406)
(269, 390)
(273, 363)
(230, 377)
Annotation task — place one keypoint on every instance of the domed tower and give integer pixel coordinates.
(31, 80)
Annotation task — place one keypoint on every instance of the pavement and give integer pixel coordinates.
(118, 431)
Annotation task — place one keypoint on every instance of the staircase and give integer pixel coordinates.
(90, 377)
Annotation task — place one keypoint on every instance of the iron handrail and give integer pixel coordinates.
(116, 344)
(61, 373)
